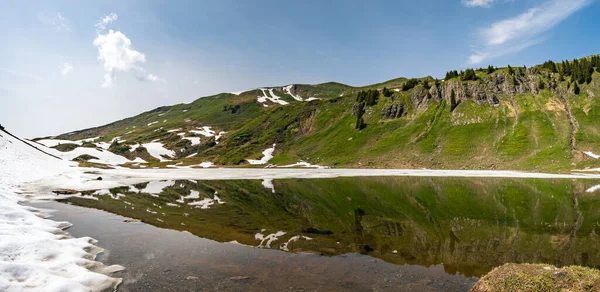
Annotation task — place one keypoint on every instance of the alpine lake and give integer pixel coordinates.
(336, 234)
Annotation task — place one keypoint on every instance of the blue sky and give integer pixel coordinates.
(68, 65)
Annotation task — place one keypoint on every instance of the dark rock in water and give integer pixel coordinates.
(99, 178)
(240, 278)
(393, 111)
(316, 231)
(65, 192)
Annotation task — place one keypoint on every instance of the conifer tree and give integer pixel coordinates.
(453, 103)
(510, 70)
(360, 122)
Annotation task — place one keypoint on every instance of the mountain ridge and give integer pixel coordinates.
(537, 118)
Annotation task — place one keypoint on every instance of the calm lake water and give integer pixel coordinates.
(368, 233)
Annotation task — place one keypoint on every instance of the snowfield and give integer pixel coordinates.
(35, 253)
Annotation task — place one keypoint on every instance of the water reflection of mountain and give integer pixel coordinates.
(469, 225)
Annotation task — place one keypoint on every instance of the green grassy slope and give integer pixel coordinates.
(502, 121)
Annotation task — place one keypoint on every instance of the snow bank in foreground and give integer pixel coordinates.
(35, 253)
(267, 155)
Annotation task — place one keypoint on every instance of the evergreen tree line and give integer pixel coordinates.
(360, 121)
(410, 84)
(579, 71)
(387, 92)
(370, 97)
(468, 74)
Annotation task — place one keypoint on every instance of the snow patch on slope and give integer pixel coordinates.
(157, 149)
(288, 90)
(273, 98)
(591, 154)
(265, 241)
(267, 155)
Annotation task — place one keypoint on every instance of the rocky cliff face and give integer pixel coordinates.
(484, 91)
(393, 111)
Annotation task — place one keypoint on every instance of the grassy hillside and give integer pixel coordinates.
(505, 118)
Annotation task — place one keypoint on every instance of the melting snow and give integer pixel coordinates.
(293, 239)
(55, 142)
(591, 154)
(288, 90)
(194, 140)
(35, 253)
(206, 164)
(303, 164)
(205, 131)
(239, 92)
(104, 156)
(267, 155)
(152, 123)
(268, 239)
(276, 99)
(593, 189)
(157, 149)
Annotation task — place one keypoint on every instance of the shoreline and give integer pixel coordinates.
(83, 179)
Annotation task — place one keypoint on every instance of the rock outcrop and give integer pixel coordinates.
(484, 91)
(393, 111)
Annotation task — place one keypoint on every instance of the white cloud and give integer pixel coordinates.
(54, 20)
(65, 68)
(106, 20)
(517, 33)
(114, 50)
(477, 3)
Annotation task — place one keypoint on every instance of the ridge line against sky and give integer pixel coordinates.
(61, 60)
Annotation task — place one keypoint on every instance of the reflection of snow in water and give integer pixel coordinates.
(269, 238)
(268, 184)
(293, 239)
(193, 195)
(593, 189)
(156, 187)
(104, 192)
(206, 203)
